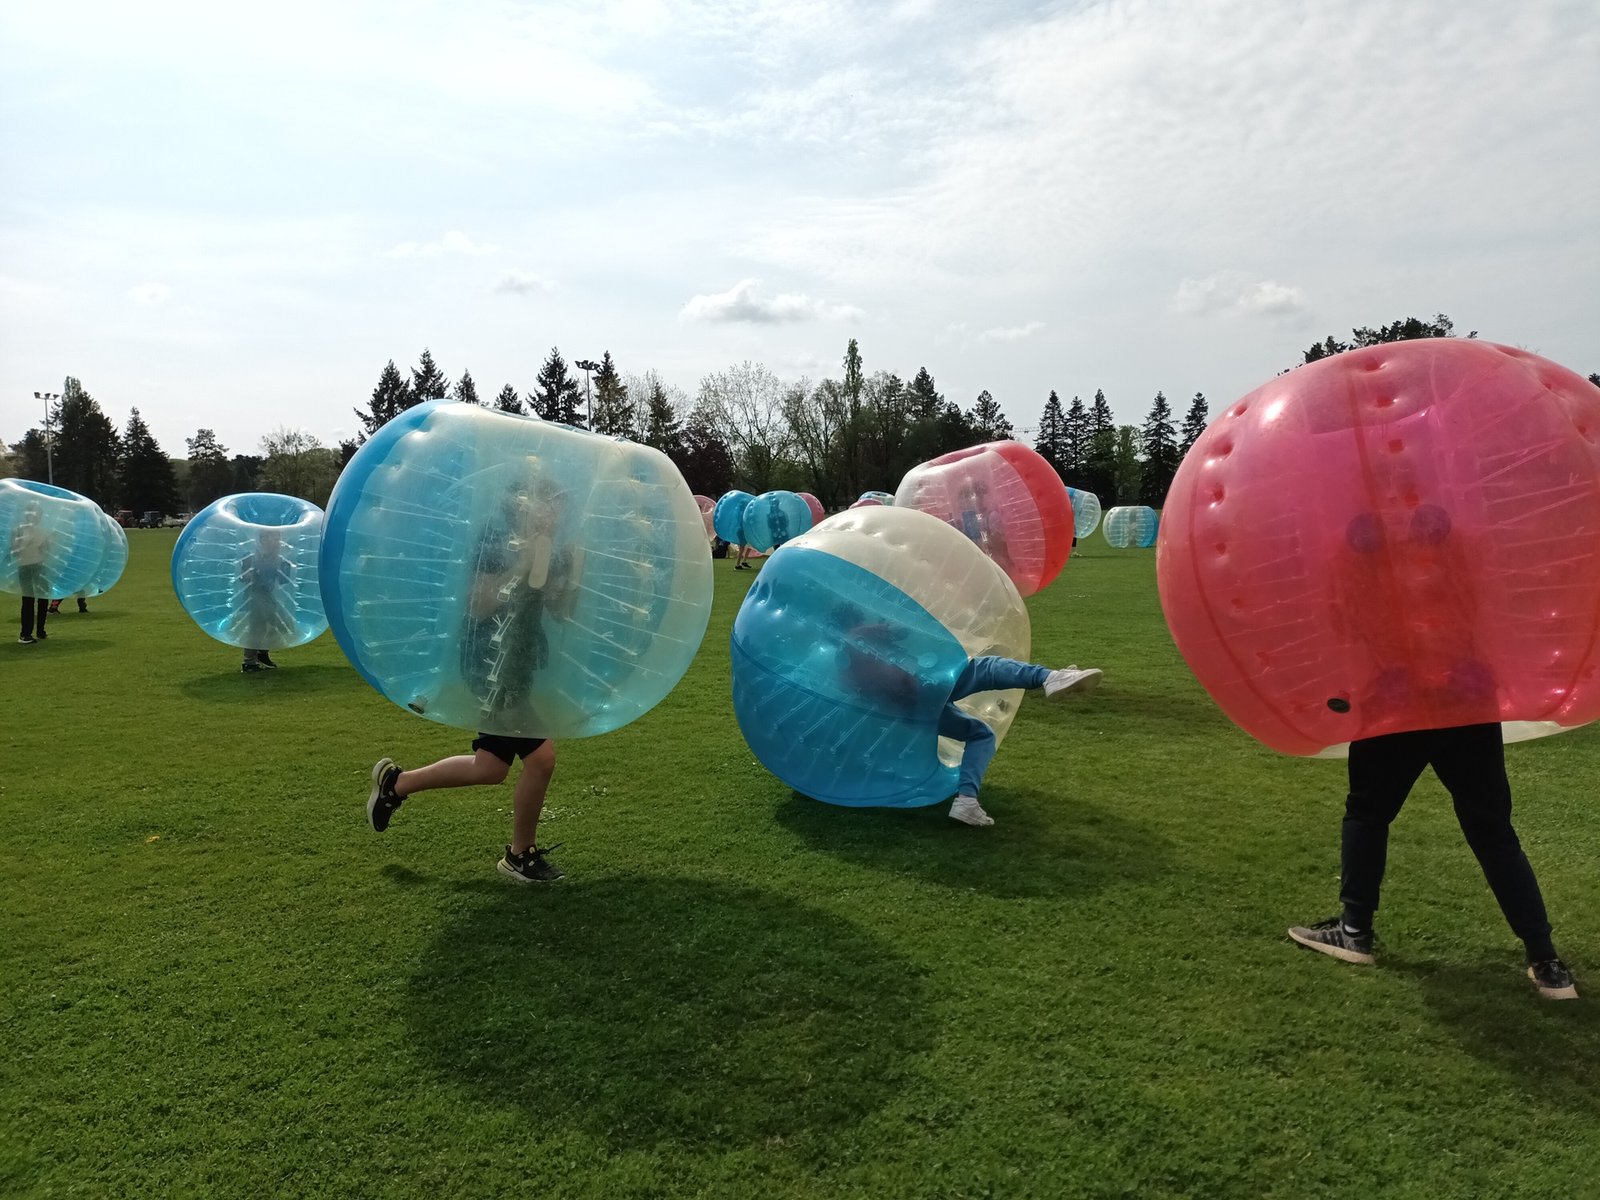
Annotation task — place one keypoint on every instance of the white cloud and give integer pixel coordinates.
(150, 293)
(453, 242)
(1013, 333)
(1234, 293)
(522, 283)
(740, 303)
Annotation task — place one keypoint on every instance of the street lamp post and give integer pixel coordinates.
(49, 398)
(586, 365)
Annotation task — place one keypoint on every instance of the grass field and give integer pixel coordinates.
(216, 980)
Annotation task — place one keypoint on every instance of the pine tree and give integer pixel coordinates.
(925, 398)
(1052, 441)
(1100, 457)
(1161, 453)
(148, 484)
(1127, 470)
(210, 475)
(558, 395)
(427, 381)
(390, 398)
(613, 412)
(508, 401)
(1194, 423)
(1077, 439)
(85, 451)
(989, 424)
(465, 391)
(661, 425)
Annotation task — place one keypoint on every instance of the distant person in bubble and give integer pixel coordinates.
(876, 670)
(1431, 662)
(29, 545)
(521, 575)
(268, 577)
(983, 524)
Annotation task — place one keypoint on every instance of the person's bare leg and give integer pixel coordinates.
(461, 770)
(527, 799)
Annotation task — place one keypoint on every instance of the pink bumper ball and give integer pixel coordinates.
(815, 505)
(1395, 538)
(1007, 499)
(707, 506)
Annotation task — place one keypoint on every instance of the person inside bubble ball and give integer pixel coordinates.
(1415, 566)
(875, 668)
(30, 542)
(520, 574)
(266, 573)
(982, 523)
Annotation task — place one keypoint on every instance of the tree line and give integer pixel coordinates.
(744, 427)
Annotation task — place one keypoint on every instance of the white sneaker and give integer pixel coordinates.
(1070, 679)
(967, 810)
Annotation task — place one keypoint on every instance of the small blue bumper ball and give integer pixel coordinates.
(727, 518)
(113, 559)
(515, 576)
(847, 647)
(245, 568)
(773, 518)
(51, 540)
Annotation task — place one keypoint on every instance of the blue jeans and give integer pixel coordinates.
(986, 674)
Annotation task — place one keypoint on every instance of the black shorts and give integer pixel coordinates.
(507, 748)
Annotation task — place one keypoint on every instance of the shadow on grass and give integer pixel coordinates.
(668, 1010)
(59, 645)
(1549, 1047)
(234, 686)
(1045, 846)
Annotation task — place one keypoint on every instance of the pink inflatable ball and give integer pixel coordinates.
(868, 499)
(1401, 537)
(1007, 499)
(815, 505)
(707, 506)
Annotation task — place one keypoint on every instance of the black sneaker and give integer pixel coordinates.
(26, 641)
(382, 802)
(1331, 937)
(248, 667)
(82, 607)
(266, 662)
(40, 634)
(530, 866)
(1553, 979)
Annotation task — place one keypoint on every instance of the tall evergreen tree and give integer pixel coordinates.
(1100, 457)
(390, 398)
(1077, 439)
(613, 411)
(1052, 440)
(558, 396)
(851, 470)
(148, 484)
(465, 390)
(1161, 454)
(988, 422)
(925, 398)
(28, 457)
(210, 476)
(1194, 423)
(86, 452)
(661, 424)
(428, 382)
(1127, 469)
(704, 458)
(246, 472)
(509, 401)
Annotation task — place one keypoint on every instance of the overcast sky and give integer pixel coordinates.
(232, 216)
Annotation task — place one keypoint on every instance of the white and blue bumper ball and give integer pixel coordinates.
(51, 540)
(1085, 512)
(774, 518)
(515, 576)
(113, 559)
(727, 518)
(245, 568)
(848, 645)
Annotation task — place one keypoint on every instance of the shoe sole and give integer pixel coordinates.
(511, 872)
(378, 768)
(1339, 952)
(975, 822)
(1087, 684)
(1570, 992)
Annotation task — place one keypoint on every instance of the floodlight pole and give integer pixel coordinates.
(586, 365)
(49, 457)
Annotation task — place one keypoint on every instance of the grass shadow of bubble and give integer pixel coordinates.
(648, 1011)
(1548, 1047)
(242, 687)
(1039, 846)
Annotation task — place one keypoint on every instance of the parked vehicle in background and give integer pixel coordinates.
(151, 520)
(125, 518)
(179, 521)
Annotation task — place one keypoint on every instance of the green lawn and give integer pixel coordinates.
(216, 980)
